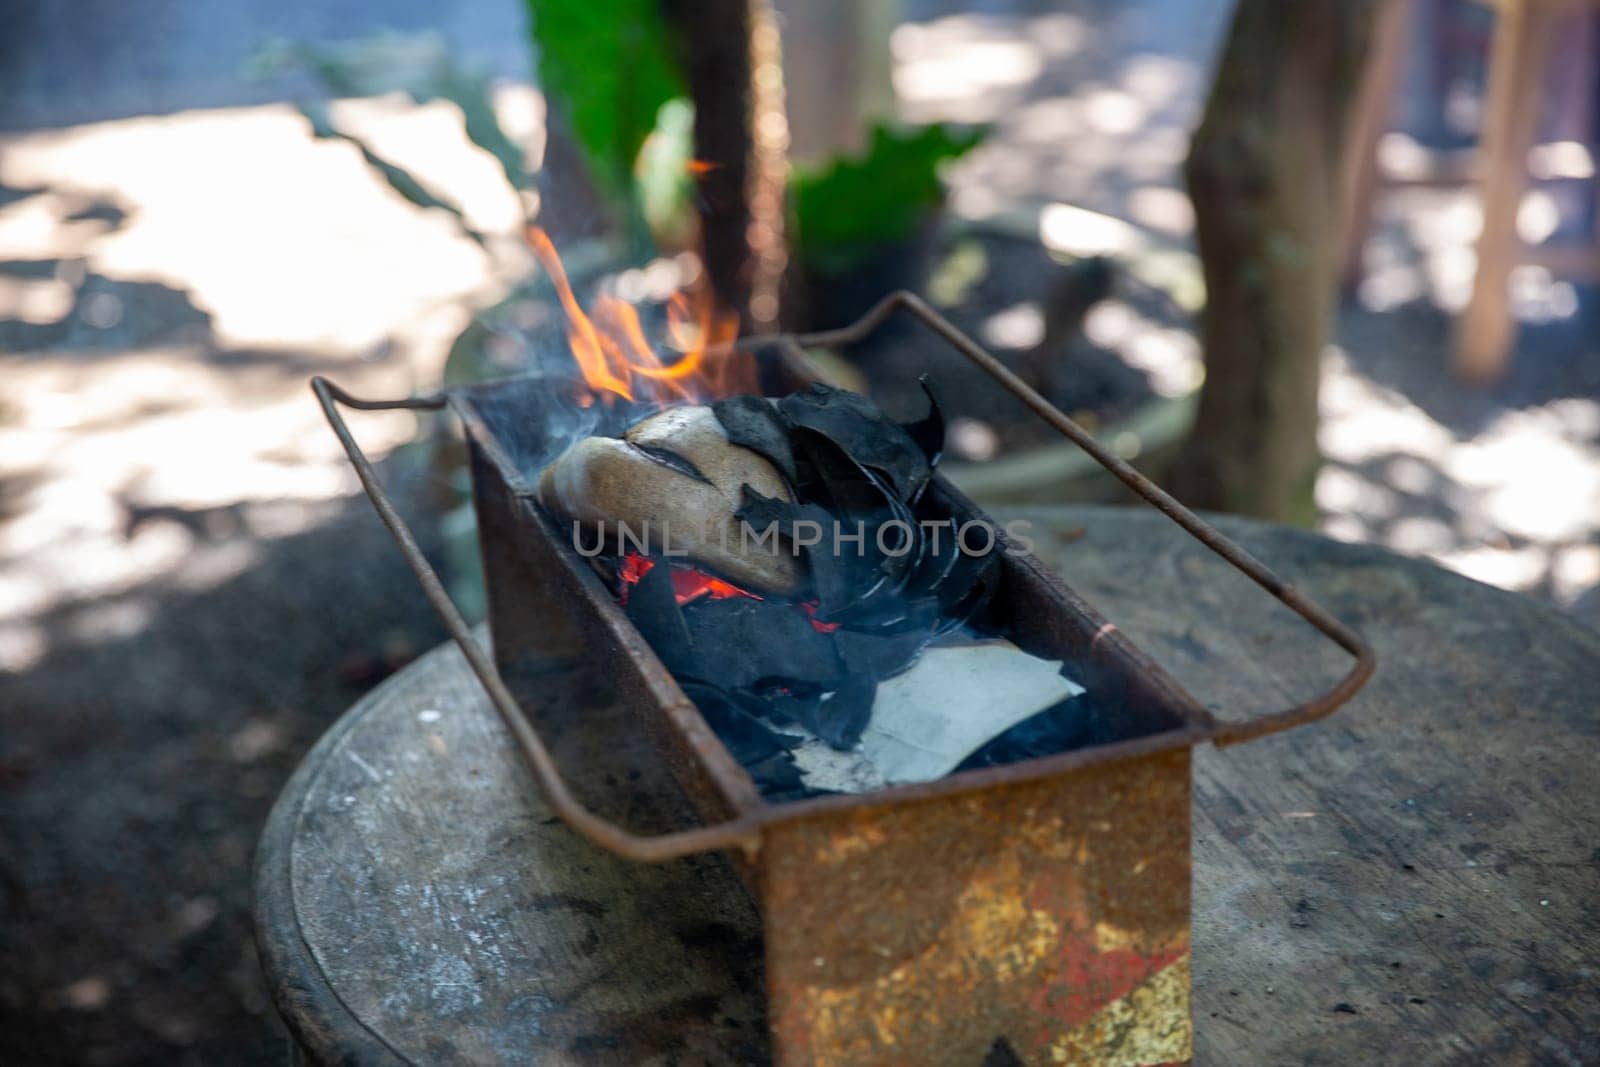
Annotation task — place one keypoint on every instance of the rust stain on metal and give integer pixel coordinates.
(1053, 915)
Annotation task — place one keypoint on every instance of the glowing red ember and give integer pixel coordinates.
(687, 583)
(690, 584)
(810, 608)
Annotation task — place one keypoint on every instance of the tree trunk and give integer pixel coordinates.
(734, 68)
(1266, 173)
(836, 70)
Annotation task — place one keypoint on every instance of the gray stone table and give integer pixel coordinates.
(1414, 879)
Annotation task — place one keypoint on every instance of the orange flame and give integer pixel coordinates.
(690, 584)
(615, 358)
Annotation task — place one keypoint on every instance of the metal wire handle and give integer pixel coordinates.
(744, 832)
(1228, 733)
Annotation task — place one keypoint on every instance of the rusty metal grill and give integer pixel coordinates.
(1042, 907)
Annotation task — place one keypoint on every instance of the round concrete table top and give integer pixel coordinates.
(1411, 879)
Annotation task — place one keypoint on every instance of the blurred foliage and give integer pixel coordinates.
(402, 181)
(419, 65)
(423, 68)
(663, 186)
(606, 69)
(635, 132)
(852, 208)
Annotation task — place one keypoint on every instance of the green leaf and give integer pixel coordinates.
(844, 211)
(606, 67)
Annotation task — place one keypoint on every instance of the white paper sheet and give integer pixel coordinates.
(928, 719)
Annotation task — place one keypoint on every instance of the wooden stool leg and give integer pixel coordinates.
(1510, 122)
(1378, 89)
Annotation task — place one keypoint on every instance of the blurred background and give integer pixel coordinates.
(1392, 215)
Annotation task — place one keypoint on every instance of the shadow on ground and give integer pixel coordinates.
(136, 772)
(1408, 349)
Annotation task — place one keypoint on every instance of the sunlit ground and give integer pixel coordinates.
(172, 283)
(1516, 504)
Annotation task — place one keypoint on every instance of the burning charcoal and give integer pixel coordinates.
(879, 655)
(858, 496)
(865, 433)
(839, 482)
(835, 582)
(754, 422)
(785, 707)
(778, 779)
(653, 608)
(858, 582)
(605, 483)
(1063, 727)
(891, 615)
(939, 562)
(841, 717)
(928, 431)
(970, 585)
(974, 610)
(761, 750)
(861, 506)
(743, 643)
(836, 717)
(746, 736)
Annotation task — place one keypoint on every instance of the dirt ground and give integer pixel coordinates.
(133, 796)
(189, 592)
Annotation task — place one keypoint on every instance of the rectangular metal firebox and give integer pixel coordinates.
(1037, 911)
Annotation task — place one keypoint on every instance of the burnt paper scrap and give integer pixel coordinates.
(926, 721)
